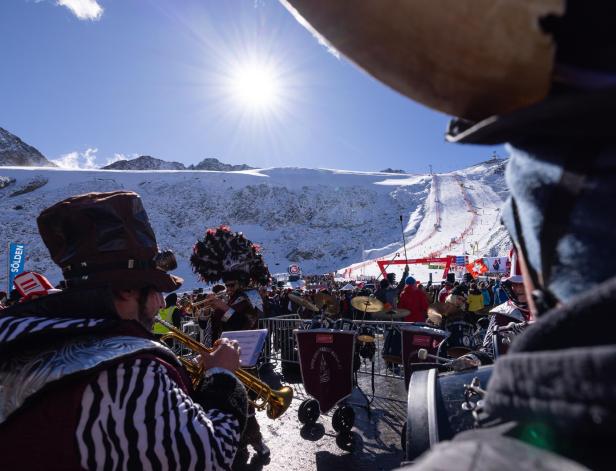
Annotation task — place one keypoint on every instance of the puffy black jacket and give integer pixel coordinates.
(552, 398)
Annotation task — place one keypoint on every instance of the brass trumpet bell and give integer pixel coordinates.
(275, 402)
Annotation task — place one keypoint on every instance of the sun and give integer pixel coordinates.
(255, 86)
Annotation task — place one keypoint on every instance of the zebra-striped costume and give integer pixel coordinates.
(134, 416)
(133, 407)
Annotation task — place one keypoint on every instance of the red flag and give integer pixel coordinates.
(477, 268)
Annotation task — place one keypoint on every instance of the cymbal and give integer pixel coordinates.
(366, 338)
(444, 309)
(303, 302)
(328, 303)
(366, 303)
(392, 314)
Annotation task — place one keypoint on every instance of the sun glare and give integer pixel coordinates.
(255, 86)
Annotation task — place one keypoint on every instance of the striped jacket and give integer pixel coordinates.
(108, 398)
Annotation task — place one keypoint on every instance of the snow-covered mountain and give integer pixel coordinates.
(144, 162)
(325, 220)
(14, 151)
(217, 165)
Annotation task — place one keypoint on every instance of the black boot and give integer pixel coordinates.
(241, 459)
(263, 451)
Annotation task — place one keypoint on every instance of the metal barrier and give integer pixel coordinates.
(281, 344)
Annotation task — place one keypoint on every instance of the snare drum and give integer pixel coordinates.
(438, 407)
(365, 334)
(366, 346)
(461, 338)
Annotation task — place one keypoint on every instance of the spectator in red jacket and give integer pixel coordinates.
(415, 300)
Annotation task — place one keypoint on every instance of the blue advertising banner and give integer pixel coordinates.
(461, 261)
(17, 260)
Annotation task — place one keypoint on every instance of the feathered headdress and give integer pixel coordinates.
(227, 255)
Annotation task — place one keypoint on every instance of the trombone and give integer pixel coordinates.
(276, 402)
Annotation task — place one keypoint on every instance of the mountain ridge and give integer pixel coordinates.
(15, 152)
(144, 162)
(325, 220)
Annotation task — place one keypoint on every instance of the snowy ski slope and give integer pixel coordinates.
(325, 220)
(461, 217)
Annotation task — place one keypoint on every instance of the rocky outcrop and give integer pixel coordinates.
(32, 185)
(15, 152)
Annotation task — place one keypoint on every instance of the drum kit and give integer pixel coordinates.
(442, 403)
(392, 344)
(463, 336)
(369, 304)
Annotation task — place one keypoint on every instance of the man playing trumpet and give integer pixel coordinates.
(230, 257)
(82, 379)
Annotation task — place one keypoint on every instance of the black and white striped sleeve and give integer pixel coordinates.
(488, 339)
(134, 416)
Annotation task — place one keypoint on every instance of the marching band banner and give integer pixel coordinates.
(326, 363)
(17, 261)
(414, 338)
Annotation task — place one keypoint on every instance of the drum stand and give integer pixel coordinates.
(368, 400)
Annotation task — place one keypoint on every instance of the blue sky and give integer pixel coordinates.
(91, 81)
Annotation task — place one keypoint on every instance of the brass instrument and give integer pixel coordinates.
(191, 307)
(276, 402)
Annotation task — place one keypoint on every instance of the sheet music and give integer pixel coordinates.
(251, 343)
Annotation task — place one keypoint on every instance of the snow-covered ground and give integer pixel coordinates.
(325, 220)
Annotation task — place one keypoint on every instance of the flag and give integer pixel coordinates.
(476, 268)
(17, 261)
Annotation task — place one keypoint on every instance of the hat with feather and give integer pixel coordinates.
(227, 255)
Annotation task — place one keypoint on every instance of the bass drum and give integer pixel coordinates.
(461, 339)
(434, 410)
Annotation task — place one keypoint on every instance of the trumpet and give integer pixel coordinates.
(191, 307)
(275, 402)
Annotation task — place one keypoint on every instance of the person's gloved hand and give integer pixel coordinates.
(469, 361)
